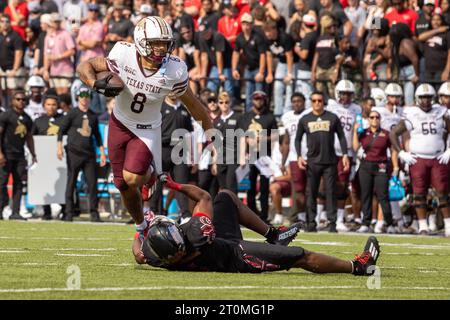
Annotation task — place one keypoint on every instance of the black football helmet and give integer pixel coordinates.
(165, 240)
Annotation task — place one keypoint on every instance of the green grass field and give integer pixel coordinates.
(35, 256)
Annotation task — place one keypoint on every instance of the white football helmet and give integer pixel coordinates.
(424, 90)
(344, 86)
(152, 29)
(444, 90)
(393, 89)
(379, 96)
(35, 81)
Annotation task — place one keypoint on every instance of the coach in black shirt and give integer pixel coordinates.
(254, 122)
(320, 127)
(81, 126)
(174, 116)
(15, 131)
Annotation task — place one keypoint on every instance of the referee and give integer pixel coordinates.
(320, 127)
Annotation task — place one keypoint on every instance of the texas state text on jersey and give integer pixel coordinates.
(140, 102)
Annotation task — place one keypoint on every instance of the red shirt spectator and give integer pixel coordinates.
(399, 13)
(17, 10)
(229, 25)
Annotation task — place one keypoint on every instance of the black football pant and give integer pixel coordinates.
(18, 169)
(263, 192)
(226, 176)
(75, 163)
(180, 174)
(314, 173)
(370, 180)
(208, 182)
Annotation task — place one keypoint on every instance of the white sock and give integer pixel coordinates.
(301, 216)
(320, 208)
(340, 215)
(432, 219)
(379, 224)
(396, 212)
(447, 223)
(415, 225)
(423, 225)
(324, 216)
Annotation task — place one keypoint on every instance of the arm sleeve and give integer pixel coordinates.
(341, 135)
(98, 137)
(299, 136)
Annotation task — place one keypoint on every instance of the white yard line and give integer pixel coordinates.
(200, 288)
(80, 255)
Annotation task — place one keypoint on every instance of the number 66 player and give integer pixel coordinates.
(149, 74)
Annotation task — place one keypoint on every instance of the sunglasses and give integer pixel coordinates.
(21, 99)
(224, 102)
(212, 100)
(4, 21)
(374, 117)
(258, 98)
(84, 95)
(316, 100)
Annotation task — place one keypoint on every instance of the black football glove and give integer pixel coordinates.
(102, 86)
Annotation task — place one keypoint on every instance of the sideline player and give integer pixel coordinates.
(347, 111)
(212, 241)
(428, 156)
(149, 73)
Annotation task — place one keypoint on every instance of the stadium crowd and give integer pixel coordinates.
(256, 65)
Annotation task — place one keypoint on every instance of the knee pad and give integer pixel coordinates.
(120, 184)
(420, 201)
(443, 201)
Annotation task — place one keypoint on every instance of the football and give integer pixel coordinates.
(114, 82)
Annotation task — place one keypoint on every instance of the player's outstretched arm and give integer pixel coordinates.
(197, 109)
(87, 70)
(202, 198)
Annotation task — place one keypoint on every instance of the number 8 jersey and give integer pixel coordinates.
(139, 104)
(426, 130)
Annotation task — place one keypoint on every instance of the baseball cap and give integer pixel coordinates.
(45, 18)
(54, 17)
(146, 8)
(93, 7)
(34, 7)
(212, 97)
(429, 2)
(163, 2)
(309, 20)
(247, 17)
(226, 3)
(83, 89)
(259, 93)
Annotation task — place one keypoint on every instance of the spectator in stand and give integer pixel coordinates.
(181, 18)
(162, 6)
(436, 50)
(445, 10)
(299, 9)
(65, 102)
(58, 50)
(325, 66)
(118, 28)
(192, 7)
(15, 132)
(343, 24)
(48, 125)
(280, 46)
(30, 48)
(377, 54)
(400, 13)
(209, 15)
(74, 10)
(304, 49)
(229, 24)
(357, 16)
(35, 15)
(282, 7)
(11, 56)
(90, 38)
(17, 10)
(404, 57)
(252, 47)
(351, 67)
(40, 46)
(189, 51)
(142, 11)
(215, 56)
(50, 6)
(259, 20)
(423, 23)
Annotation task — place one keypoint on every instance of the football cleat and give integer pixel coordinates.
(364, 264)
(284, 235)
